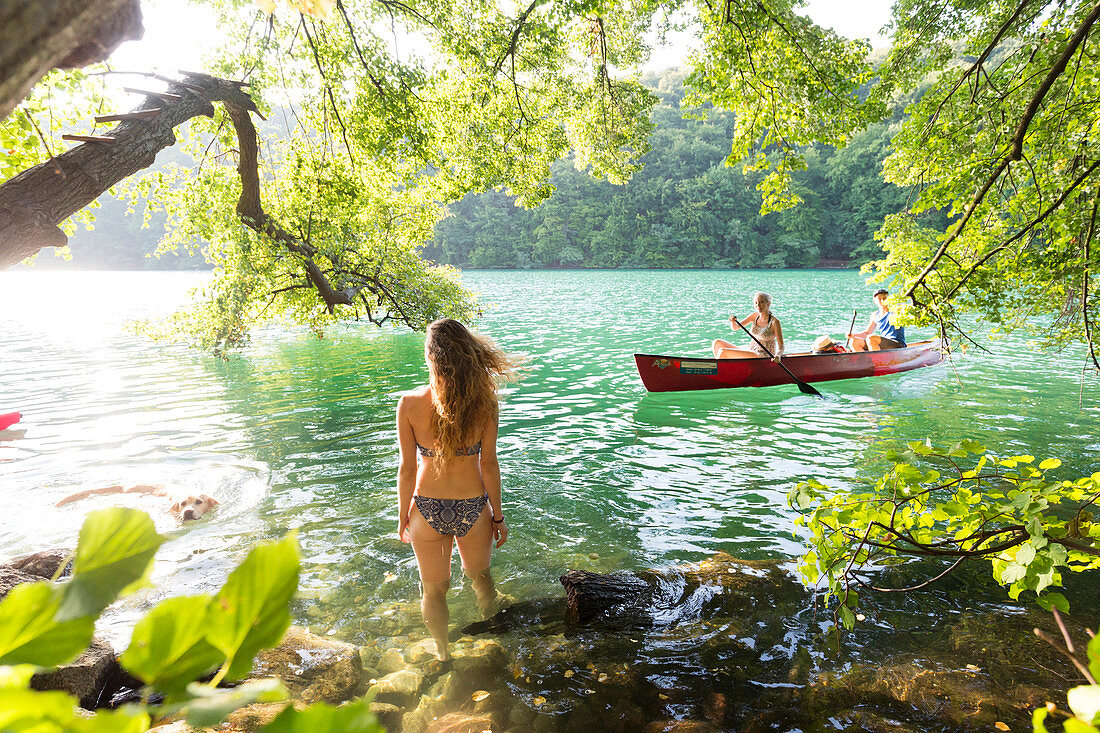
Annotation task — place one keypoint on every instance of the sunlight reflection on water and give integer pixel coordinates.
(297, 433)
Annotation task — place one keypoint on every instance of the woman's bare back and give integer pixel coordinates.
(462, 479)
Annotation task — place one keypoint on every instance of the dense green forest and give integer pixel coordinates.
(686, 208)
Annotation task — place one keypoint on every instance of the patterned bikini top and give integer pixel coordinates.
(473, 450)
(765, 335)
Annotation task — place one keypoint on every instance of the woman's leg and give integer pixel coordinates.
(433, 558)
(733, 352)
(476, 547)
(718, 345)
(881, 343)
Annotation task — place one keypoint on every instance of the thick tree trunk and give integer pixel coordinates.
(37, 36)
(35, 202)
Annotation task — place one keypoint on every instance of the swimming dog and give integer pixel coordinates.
(184, 509)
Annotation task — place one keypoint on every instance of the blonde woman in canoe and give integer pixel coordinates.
(453, 496)
(763, 325)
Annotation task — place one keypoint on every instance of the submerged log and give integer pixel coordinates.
(721, 585)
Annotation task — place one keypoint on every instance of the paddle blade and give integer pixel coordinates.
(807, 389)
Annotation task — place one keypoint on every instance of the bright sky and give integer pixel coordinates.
(174, 31)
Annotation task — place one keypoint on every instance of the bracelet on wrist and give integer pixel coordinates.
(497, 521)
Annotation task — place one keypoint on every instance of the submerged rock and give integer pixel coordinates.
(478, 657)
(312, 668)
(388, 715)
(461, 723)
(680, 726)
(960, 697)
(253, 718)
(398, 688)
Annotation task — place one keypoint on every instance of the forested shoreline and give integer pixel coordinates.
(685, 209)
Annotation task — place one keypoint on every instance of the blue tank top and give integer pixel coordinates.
(887, 329)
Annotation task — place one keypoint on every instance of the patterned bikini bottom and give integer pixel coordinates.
(451, 516)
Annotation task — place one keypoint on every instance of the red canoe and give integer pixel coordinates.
(8, 419)
(673, 373)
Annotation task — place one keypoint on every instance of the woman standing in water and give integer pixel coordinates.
(454, 494)
(761, 324)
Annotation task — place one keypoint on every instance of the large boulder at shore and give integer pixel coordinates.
(312, 668)
(43, 565)
(10, 577)
(85, 678)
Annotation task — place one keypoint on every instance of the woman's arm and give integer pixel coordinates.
(406, 471)
(870, 329)
(778, 339)
(744, 322)
(490, 476)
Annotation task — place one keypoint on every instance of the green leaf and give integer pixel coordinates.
(1073, 725)
(28, 710)
(29, 633)
(18, 675)
(1038, 721)
(1050, 601)
(847, 617)
(1049, 464)
(111, 721)
(167, 649)
(114, 554)
(211, 705)
(354, 717)
(1084, 701)
(251, 610)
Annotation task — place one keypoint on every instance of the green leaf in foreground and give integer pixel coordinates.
(29, 633)
(114, 554)
(45, 712)
(167, 649)
(355, 717)
(211, 705)
(1084, 701)
(251, 610)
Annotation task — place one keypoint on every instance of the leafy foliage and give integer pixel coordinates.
(1004, 140)
(954, 503)
(997, 147)
(789, 83)
(178, 641)
(685, 208)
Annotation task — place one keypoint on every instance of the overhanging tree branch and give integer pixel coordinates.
(1015, 151)
(35, 202)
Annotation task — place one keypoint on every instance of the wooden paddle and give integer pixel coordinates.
(802, 386)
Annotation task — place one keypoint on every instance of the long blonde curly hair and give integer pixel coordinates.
(466, 369)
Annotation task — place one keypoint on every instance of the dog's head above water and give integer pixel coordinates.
(193, 507)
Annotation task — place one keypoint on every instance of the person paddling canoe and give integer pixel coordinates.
(763, 325)
(889, 336)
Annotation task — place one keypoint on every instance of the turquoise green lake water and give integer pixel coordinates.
(297, 433)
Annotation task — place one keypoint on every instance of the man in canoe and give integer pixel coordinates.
(889, 336)
(762, 325)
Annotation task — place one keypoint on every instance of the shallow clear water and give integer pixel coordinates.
(296, 433)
